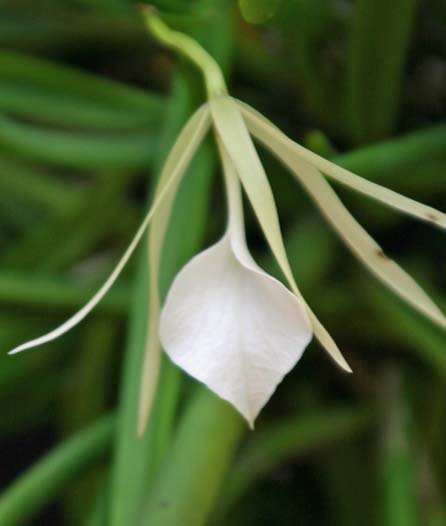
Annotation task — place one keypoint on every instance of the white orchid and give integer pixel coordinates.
(225, 321)
(228, 323)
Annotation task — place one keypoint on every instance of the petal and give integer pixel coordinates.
(236, 330)
(236, 140)
(181, 154)
(282, 145)
(361, 244)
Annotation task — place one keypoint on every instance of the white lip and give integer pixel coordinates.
(233, 327)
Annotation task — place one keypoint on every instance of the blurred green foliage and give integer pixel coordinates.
(89, 107)
(258, 11)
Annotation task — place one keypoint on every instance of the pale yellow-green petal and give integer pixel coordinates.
(181, 154)
(352, 233)
(89, 306)
(232, 131)
(268, 133)
(361, 243)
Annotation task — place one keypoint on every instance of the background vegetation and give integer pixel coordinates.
(89, 107)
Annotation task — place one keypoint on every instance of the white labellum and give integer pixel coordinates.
(237, 330)
(232, 326)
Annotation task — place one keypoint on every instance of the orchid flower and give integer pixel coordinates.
(225, 321)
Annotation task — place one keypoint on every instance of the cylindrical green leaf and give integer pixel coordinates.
(194, 468)
(379, 43)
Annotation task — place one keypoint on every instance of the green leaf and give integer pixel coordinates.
(80, 150)
(49, 239)
(46, 479)
(258, 11)
(58, 94)
(398, 469)
(136, 460)
(379, 41)
(52, 292)
(192, 475)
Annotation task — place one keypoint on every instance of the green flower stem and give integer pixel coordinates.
(45, 480)
(379, 42)
(190, 49)
(194, 468)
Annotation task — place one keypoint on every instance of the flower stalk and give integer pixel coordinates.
(188, 48)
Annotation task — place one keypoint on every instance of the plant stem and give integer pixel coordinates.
(190, 49)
